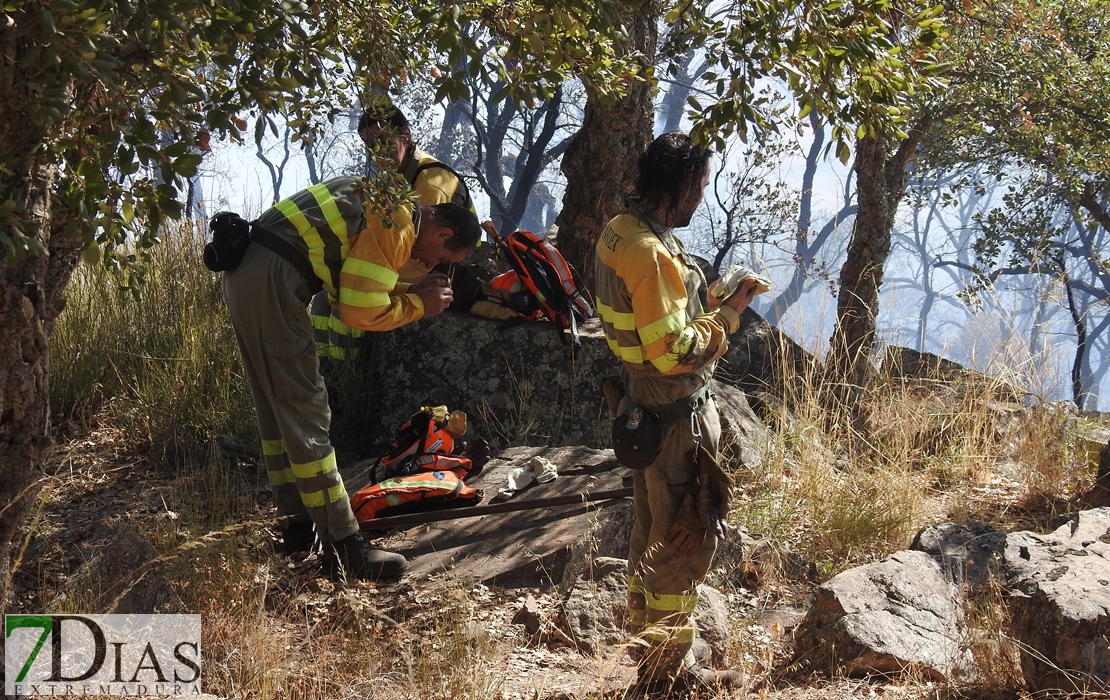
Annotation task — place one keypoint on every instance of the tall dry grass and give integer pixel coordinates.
(165, 366)
(937, 445)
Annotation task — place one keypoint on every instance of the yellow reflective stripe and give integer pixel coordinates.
(335, 352)
(662, 634)
(333, 324)
(637, 617)
(366, 300)
(315, 499)
(279, 477)
(673, 323)
(316, 468)
(312, 238)
(340, 328)
(635, 583)
(372, 271)
(402, 482)
(671, 602)
(330, 210)
(668, 360)
(622, 321)
(273, 447)
(296, 217)
(633, 355)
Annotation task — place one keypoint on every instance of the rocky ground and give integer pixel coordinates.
(118, 533)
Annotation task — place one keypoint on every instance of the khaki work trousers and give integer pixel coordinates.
(662, 584)
(268, 300)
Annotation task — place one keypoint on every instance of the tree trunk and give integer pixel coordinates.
(881, 182)
(26, 313)
(601, 161)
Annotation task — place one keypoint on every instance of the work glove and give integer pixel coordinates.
(687, 532)
(495, 303)
(714, 491)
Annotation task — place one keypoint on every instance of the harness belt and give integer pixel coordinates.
(681, 409)
(280, 245)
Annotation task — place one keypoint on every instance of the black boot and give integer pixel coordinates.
(298, 537)
(353, 557)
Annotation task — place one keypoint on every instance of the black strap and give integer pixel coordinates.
(681, 409)
(283, 247)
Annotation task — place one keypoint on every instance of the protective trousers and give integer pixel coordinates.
(268, 300)
(661, 582)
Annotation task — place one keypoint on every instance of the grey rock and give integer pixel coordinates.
(899, 614)
(529, 615)
(968, 553)
(595, 606)
(522, 385)
(756, 361)
(743, 435)
(1059, 600)
(710, 618)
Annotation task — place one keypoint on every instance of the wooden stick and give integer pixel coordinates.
(473, 512)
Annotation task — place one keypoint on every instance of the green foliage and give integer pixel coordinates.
(860, 64)
(164, 366)
(1036, 88)
(125, 97)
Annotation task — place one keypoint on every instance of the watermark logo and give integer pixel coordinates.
(102, 655)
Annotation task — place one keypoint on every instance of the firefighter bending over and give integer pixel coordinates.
(327, 237)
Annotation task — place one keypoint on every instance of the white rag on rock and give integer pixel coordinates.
(537, 469)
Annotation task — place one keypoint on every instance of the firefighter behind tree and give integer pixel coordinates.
(651, 297)
(385, 127)
(324, 238)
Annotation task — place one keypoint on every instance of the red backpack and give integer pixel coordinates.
(542, 271)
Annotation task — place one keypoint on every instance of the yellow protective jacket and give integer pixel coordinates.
(433, 185)
(645, 306)
(354, 256)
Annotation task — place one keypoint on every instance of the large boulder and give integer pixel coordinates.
(743, 435)
(528, 385)
(765, 363)
(1059, 596)
(899, 614)
(519, 385)
(968, 554)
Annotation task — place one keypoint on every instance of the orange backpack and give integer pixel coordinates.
(414, 493)
(542, 271)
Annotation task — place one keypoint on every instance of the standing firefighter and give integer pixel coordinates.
(652, 300)
(385, 127)
(328, 237)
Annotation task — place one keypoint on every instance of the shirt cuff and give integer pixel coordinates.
(730, 317)
(419, 304)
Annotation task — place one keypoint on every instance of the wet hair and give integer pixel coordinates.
(460, 220)
(669, 168)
